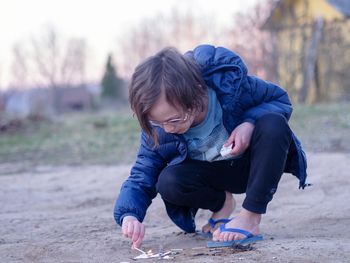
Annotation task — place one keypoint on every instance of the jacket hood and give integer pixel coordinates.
(211, 59)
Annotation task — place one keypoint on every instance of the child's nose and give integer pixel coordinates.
(168, 128)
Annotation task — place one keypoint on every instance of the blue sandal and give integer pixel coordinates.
(250, 238)
(212, 222)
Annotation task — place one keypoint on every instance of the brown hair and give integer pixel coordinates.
(168, 71)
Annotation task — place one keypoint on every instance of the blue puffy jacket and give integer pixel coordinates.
(242, 98)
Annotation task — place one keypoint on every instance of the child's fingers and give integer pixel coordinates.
(137, 231)
(230, 139)
(138, 242)
(142, 232)
(237, 147)
(125, 229)
(125, 225)
(130, 229)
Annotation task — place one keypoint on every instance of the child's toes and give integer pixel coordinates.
(216, 235)
(232, 237)
(206, 228)
(227, 237)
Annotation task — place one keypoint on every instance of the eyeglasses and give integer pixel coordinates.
(173, 123)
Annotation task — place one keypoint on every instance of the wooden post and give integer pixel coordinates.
(311, 59)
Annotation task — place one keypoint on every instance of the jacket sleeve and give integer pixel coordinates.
(139, 189)
(264, 97)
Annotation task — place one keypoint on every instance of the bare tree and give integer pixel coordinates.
(46, 56)
(257, 47)
(19, 66)
(0, 76)
(72, 68)
(58, 62)
(182, 30)
(49, 60)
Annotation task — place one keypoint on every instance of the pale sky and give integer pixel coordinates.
(100, 22)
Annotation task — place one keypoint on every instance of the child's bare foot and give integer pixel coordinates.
(245, 220)
(223, 213)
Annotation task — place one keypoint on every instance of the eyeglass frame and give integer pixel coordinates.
(172, 122)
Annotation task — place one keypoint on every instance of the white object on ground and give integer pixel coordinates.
(149, 254)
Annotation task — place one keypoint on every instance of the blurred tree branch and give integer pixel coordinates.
(49, 60)
(257, 47)
(183, 30)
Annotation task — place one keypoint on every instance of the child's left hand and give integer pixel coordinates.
(240, 138)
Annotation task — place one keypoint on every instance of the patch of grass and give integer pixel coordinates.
(113, 137)
(323, 127)
(103, 138)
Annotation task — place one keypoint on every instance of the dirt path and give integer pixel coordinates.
(65, 215)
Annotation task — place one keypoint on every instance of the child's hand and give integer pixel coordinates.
(134, 230)
(240, 138)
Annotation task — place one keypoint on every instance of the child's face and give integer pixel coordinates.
(170, 118)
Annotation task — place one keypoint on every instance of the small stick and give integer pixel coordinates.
(176, 249)
(140, 250)
(198, 247)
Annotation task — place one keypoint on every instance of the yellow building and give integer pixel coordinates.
(312, 40)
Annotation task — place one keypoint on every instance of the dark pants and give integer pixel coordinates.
(201, 184)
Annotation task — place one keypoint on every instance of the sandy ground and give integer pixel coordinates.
(64, 214)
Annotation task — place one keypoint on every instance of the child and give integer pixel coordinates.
(189, 106)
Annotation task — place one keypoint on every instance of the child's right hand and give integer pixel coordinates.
(134, 230)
